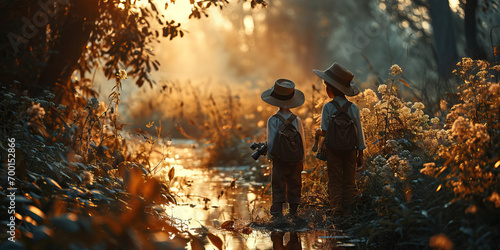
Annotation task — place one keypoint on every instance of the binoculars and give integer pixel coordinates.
(260, 149)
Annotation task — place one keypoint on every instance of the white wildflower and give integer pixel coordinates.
(391, 143)
(365, 112)
(121, 75)
(481, 133)
(435, 121)
(379, 160)
(460, 127)
(382, 88)
(418, 106)
(482, 73)
(466, 62)
(405, 111)
(370, 96)
(443, 105)
(494, 88)
(393, 160)
(36, 112)
(395, 70)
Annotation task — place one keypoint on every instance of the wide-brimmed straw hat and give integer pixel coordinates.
(340, 78)
(283, 94)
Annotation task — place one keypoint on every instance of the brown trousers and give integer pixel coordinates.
(341, 179)
(286, 184)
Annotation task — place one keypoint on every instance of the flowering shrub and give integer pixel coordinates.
(471, 167)
(412, 204)
(392, 125)
(464, 147)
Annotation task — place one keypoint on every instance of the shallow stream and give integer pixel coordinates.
(224, 201)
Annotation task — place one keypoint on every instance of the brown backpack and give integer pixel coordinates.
(341, 135)
(287, 145)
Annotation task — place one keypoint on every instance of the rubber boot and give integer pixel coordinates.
(293, 209)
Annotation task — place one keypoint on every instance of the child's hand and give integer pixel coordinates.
(359, 164)
(318, 133)
(359, 161)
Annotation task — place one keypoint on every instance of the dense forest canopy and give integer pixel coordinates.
(52, 40)
(237, 43)
(243, 46)
(119, 115)
(122, 34)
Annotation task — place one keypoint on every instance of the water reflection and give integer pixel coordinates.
(209, 198)
(278, 239)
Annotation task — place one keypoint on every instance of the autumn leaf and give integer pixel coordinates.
(228, 225)
(53, 183)
(406, 84)
(216, 240)
(39, 215)
(246, 230)
(171, 229)
(196, 243)
(171, 173)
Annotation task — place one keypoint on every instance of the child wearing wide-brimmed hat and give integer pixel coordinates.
(286, 180)
(341, 165)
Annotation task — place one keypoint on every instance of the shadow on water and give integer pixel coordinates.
(234, 205)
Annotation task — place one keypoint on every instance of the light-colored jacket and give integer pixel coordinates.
(329, 109)
(273, 124)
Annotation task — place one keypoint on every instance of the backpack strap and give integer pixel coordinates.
(344, 108)
(284, 121)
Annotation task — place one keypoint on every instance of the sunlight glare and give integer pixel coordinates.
(454, 5)
(221, 21)
(178, 11)
(426, 25)
(251, 196)
(405, 24)
(249, 25)
(244, 47)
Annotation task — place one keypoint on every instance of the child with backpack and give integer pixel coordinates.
(285, 137)
(344, 137)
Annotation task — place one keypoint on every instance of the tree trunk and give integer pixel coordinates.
(473, 49)
(443, 36)
(73, 36)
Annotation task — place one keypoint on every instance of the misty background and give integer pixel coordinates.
(243, 50)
